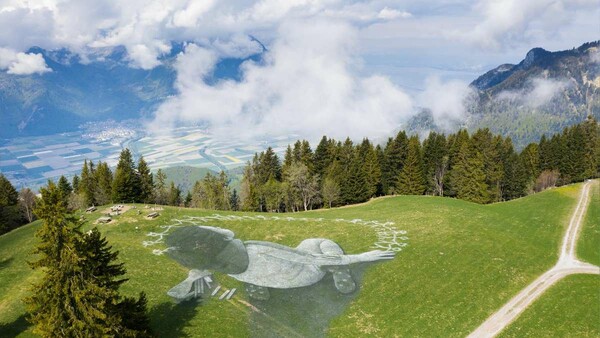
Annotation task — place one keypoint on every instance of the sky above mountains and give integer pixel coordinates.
(326, 60)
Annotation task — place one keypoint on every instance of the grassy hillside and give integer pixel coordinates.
(462, 262)
(588, 245)
(571, 308)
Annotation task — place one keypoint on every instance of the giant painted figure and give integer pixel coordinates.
(262, 265)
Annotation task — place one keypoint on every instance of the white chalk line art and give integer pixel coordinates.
(389, 238)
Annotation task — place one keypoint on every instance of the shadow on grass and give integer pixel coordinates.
(169, 319)
(303, 312)
(13, 329)
(5, 263)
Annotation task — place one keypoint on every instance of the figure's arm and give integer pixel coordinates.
(332, 260)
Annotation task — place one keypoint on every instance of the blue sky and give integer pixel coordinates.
(344, 59)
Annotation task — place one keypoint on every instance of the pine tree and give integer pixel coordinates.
(354, 186)
(64, 186)
(556, 153)
(103, 176)
(160, 190)
(307, 156)
(545, 154)
(455, 143)
(411, 180)
(146, 190)
(530, 162)
(468, 176)
(268, 166)
(75, 184)
(235, 201)
(10, 217)
(591, 159)
(126, 182)
(188, 200)
(515, 177)
(288, 159)
(78, 294)
(323, 156)
(346, 155)
(490, 147)
(368, 156)
(574, 166)
(435, 162)
(87, 185)
(394, 156)
(174, 195)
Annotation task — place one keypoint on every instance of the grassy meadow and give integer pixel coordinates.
(570, 308)
(588, 245)
(462, 262)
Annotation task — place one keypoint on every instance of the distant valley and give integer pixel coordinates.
(55, 120)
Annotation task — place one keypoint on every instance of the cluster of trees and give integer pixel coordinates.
(213, 192)
(98, 185)
(78, 294)
(480, 167)
(16, 208)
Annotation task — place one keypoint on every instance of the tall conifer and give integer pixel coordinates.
(411, 180)
(468, 176)
(126, 182)
(78, 294)
(146, 189)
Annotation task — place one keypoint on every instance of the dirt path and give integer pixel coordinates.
(567, 264)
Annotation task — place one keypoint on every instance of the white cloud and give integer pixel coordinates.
(7, 57)
(538, 92)
(194, 10)
(307, 84)
(390, 14)
(22, 63)
(145, 57)
(145, 27)
(446, 101)
(507, 23)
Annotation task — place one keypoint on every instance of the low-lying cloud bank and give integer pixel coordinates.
(307, 84)
(537, 93)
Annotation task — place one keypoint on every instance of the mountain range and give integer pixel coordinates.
(543, 93)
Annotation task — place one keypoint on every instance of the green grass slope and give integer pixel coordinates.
(588, 245)
(571, 308)
(462, 263)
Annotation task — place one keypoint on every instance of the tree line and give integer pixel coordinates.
(478, 167)
(97, 184)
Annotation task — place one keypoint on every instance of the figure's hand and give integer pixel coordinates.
(376, 255)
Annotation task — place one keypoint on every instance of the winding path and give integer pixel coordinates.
(567, 264)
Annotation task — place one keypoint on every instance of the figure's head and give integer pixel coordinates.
(207, 248)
